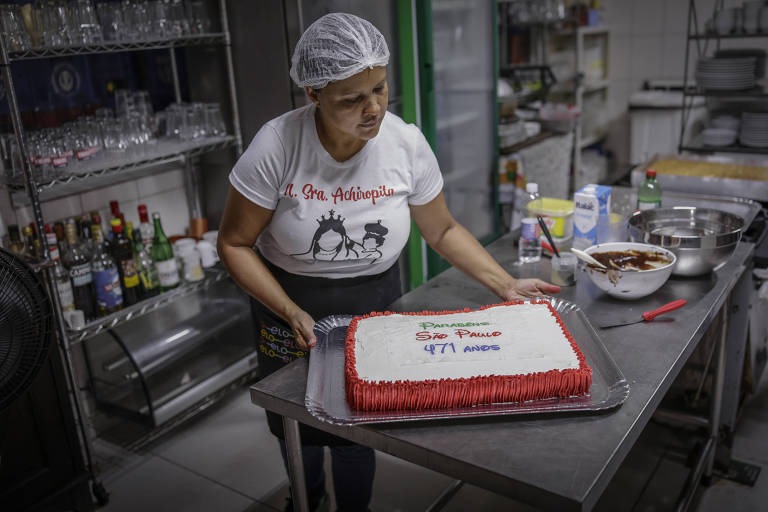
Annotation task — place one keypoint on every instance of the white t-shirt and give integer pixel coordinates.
(336, 219)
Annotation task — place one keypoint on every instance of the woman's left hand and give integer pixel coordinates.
(526, 288)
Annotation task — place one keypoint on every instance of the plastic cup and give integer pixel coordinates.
(564, 269)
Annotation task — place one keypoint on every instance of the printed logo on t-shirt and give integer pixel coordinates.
(330, 241)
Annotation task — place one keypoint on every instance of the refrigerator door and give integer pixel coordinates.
(463, 56)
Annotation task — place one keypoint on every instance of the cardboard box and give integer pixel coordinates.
(590, 204)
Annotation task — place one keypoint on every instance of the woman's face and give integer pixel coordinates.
(354, 107)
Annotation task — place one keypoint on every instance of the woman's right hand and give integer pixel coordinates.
(303, 328)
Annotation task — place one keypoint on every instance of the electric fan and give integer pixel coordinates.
(26, 321)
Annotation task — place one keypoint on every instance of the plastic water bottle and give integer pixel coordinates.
(522, 199)
(529, 248)
(531, 194)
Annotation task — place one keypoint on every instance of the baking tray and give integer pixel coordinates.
(325, 398)
(721, 186)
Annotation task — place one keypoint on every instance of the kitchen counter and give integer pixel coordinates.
(557, 462)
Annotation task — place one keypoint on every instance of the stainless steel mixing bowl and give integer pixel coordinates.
(701, 238)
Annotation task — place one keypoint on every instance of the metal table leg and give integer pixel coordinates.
(295, 464)
(717, 391)
(705, 462)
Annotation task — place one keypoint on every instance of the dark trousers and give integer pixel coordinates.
(353, 465)
(353, 468)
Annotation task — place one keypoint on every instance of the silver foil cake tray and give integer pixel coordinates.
(326, 400)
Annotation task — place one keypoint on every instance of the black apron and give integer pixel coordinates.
(319, 297)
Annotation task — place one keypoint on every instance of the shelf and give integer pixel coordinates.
(212, 275)
(725, 149)
(755, 92)
(727, 36)
(113, 47)
(108, 170)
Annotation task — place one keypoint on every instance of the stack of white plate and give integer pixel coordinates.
(727, 74)
(725, 121)
(718, 137)
(754, 129)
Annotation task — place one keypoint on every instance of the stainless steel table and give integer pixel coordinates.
(561, 462)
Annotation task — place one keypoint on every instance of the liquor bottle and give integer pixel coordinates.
(129, 233)
(150, 280)
(114, 207)
(15, 243)
(29, 243)
(147, 231)
(36, 242)
(58, 229)
(79, 267)
(106, 278)
(126, 265)
(87, 235)
(649, 192)
(162, 255)
(60, 274)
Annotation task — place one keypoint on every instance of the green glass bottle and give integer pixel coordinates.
(649, 192)
(162, 255)
(150, 281)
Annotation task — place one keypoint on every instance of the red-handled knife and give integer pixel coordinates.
(648, 315)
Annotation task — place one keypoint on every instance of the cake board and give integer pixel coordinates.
(325, 398)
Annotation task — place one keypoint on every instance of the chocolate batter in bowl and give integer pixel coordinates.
(634, 270)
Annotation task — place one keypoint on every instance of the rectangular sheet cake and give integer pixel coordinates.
(509, 352)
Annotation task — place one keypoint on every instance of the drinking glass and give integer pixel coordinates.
(16, 35)
(199, 22)
(177, 18)
(214, 123)
(115, 141)
(175, 119)
(112, 21)
(54, 22)
(84, 24)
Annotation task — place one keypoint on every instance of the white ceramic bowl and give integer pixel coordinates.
(630, 284)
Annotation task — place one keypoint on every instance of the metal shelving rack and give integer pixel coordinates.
(95, 177)
(574, 86)
(690, 90)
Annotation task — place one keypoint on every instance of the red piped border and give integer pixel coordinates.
(444, 393)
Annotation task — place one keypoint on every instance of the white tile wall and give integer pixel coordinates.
(647, 17)
(619, 56)
(646, 57)
(163, 193)
(150, 185)
(647, 42)
(673, 56)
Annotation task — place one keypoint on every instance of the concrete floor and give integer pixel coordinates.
(226, 460)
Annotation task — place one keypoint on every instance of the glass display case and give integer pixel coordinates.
(168, 360)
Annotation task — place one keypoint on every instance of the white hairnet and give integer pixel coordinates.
(336, 47)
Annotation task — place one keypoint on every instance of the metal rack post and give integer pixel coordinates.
(58, 186)
(231, 76)
(31, 185)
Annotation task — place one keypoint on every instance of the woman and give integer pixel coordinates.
(327, 193)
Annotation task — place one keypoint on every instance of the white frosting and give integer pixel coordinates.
(528, 339)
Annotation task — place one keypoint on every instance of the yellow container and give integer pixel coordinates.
(558, 214)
